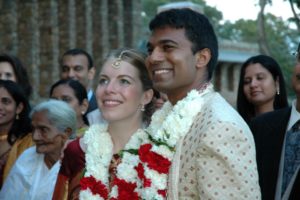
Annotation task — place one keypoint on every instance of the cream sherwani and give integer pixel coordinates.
(216, 158)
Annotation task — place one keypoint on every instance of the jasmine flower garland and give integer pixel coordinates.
(146, 158)
(95, 183)
(167, 126)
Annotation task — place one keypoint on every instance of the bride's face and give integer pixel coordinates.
(119, 93)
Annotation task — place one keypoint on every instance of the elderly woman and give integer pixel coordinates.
(34, 174)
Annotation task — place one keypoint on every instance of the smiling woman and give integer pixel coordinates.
(105, 155)
(34, 174)
(14, 125)
(261, 87)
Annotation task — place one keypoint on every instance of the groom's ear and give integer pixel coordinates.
(202, 58)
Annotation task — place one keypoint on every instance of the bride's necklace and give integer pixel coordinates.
(99, 152)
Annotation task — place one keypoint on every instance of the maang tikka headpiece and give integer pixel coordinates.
(131, 55)
(118, 61)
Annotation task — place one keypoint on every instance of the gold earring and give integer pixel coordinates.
(277, 91)
(17, 116)
(143, 108)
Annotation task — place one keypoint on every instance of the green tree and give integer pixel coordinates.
(150, 8)
(241, 30)
(296, 18)
(281, 38)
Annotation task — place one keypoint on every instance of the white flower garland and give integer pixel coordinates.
(98, 157)
(177, 121)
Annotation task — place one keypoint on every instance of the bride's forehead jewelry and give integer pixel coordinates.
(129, 54)
(118, 61)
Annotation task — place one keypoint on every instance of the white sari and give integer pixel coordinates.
(30, 178)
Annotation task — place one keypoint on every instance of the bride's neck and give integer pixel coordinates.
(121, 133)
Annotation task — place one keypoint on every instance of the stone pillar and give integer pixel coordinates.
(40, 31)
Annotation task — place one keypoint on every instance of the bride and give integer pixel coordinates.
(103, 164)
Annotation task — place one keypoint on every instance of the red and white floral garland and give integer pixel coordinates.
(95, 183)
(142, 175)
(156, 156)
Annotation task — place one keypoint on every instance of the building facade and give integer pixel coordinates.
(227, 72)
(40, 31)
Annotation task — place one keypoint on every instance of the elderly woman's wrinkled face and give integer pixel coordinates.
(48, 139)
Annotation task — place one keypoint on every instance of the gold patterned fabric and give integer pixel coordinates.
(216, 159)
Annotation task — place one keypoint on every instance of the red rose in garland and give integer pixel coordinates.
(154, 160)
(126, 190)
(95, 186)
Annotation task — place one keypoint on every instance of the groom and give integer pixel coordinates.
(212, 152)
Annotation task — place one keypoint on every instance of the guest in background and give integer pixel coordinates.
(261, 87)
(34, 174)
(15, 126)
(77, 64)
(11, 68)
(159, 99)
(73, 93)
(277, 139)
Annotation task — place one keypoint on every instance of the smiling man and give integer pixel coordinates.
(214, 151)
(77, 64)
(34, 174)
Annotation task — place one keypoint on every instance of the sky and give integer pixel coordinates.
(248, 9)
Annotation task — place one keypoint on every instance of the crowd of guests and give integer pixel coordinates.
(154, 128)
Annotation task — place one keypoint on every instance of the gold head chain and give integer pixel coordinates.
(118, 61)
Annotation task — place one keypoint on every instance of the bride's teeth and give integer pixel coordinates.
(111, 102)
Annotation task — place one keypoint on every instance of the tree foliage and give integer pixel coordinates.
(150, 8)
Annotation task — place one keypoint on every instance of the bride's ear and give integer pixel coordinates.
(147, 97)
